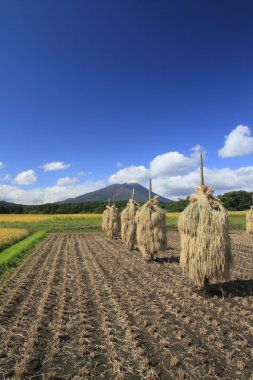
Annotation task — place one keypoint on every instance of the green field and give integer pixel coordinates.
(237, 220)
(86, 222)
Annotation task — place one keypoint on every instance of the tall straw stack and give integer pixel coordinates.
(105, 220)
(114, 222)
(123, 227)
(151, 231)
(128, 224)
(205, 243)
(249, 220)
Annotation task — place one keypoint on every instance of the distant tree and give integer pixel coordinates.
(176, 206)
(236, 200)
(19, 209)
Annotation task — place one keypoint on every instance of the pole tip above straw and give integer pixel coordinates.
(202, 183)
(150, 189)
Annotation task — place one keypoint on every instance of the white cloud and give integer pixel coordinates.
(173, 163)
(58, 165)
(66, 181)
(130, 174)
(81, 174)
(27, 177)
(238, 143)
(167, 164)
(119, 164)
(175, 175)
(173, 187)
(6, 177)
(2, 165)
(222, 180)
(60, 193)
(14, 194)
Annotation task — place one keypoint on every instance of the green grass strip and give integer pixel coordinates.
(12, 256)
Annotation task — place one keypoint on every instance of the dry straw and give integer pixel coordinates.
(205, 244)
(114, 222)
(151, 231)
(111, 221)
(105, 220)
(128, 224)
(249, 220)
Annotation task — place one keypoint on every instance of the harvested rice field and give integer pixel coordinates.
(83, 306)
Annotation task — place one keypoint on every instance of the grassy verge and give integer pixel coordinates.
(12, 256)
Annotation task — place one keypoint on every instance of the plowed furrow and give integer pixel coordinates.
(148, 318)
(17, 290)
(99, 321)
(83, 306)
(211, 339)
(31, 327)
(16, 316)
(61, 355)
(129, 360)
(22, 273)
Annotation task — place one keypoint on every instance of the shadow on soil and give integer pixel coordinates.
(235, 288)
(166, 259)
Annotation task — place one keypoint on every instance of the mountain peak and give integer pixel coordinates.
(118, 192)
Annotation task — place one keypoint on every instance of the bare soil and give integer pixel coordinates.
(85, 307)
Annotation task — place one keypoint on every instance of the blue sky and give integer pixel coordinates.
(116, 91)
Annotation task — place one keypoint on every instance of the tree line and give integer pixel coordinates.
(232, 201)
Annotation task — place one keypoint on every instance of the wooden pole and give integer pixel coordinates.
(206, 279)
(150, 189)
(201, 170)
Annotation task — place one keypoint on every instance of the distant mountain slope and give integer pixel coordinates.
(4, 203)
(120, 192)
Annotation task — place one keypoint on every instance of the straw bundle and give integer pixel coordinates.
(151, 229)
(123, 218)
(205, 244)
(114, 222)
(249, 220)
(128, 224)
(105, 220)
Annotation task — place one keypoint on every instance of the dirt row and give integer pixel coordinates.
(85, 307)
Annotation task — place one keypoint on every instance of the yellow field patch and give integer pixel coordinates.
(9, 236)
(27, 218)
(237, 213)
(230, 213)
(13, 218)
(77, 216)
(173, 214)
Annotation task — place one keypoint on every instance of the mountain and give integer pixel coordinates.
(4, 203)
(118, 192)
